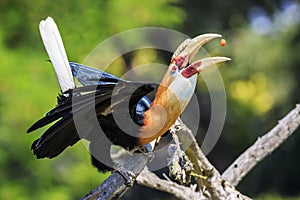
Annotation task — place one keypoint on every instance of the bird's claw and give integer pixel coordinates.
(147, 148)
(127, 175)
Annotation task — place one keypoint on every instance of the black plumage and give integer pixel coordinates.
(95, 112)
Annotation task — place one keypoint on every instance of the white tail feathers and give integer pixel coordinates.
(57, 53)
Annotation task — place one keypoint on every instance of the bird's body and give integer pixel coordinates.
(107, 97)
(107, 110)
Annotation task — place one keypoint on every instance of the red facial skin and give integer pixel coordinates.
(179, 61)
(191, 70)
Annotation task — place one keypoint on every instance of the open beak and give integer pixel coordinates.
(189, 48)
(201, 65)
(187, 51)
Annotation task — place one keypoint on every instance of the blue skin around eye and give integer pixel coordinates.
(172, 72)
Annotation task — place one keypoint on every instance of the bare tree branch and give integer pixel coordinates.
(115, 185)
(214, 187)
(211, 185)
(263, 147)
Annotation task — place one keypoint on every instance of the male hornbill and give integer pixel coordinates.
(104, 97)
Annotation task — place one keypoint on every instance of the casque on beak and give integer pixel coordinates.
(187, 51)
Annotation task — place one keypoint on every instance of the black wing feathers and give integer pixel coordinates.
(83, 101)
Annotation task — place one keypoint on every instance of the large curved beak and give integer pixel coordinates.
(187, 51)
(189, 48)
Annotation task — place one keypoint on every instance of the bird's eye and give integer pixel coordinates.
(173, 69)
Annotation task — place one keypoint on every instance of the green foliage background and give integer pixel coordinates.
(262, 85)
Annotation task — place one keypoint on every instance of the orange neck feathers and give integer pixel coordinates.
(164, 110)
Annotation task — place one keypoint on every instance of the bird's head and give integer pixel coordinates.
(182, 57)
(181, 76)
(177, 87)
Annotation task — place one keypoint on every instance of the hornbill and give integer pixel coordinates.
(110, 100)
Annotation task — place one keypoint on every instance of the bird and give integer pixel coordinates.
(95, 110)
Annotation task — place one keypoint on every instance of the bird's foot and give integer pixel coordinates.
(127, 175)
(147, 148)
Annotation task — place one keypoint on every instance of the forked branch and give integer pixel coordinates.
(263, 147)
(210, 184)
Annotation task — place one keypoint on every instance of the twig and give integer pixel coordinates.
(263, 147)
(149, 179)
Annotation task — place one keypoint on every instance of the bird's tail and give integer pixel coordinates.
(57, 54)
(63, 133)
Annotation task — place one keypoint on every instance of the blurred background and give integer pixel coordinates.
(262, 85)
